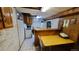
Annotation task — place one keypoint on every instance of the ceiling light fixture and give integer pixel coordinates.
(44, 9)
(39, 17)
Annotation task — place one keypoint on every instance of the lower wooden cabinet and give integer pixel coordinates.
(1, 22)
(1, 25)
(7, 16)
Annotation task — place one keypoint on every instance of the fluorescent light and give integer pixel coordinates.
(45, 9)
(38, 17)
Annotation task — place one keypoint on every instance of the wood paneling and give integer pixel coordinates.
(7, 17)
(77, 22)
(36, 8)
(72, 11)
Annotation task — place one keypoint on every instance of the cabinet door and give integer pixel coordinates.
(77, 22)
(29, 21)
(7, 17)
(1, 22)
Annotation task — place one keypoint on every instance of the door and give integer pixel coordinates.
(7, 17)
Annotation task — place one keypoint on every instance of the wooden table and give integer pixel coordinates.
(53, 40)
(43, 32)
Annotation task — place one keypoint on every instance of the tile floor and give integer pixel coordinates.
(28, 45)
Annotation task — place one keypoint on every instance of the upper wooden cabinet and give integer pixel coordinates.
(27, 19)
(7, 17)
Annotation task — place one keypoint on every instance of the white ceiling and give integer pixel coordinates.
(51, 11)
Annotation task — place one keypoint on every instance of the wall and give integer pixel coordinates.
(44, 24)
(37, 23)
(9, 40)
(54, 23)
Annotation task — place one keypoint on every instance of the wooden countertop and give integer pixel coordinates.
(41, 29)
(54, 40)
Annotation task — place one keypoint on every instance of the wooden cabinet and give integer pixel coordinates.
(77, 22)
(1, 22)
(30, 21)
(27, 20)
(7, 17)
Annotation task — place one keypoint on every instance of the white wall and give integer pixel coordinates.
(54, 23)
(36, 22)
(44, 25)
(9, 40)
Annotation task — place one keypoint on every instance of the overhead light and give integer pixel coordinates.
(44, 9)
(38, 16)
